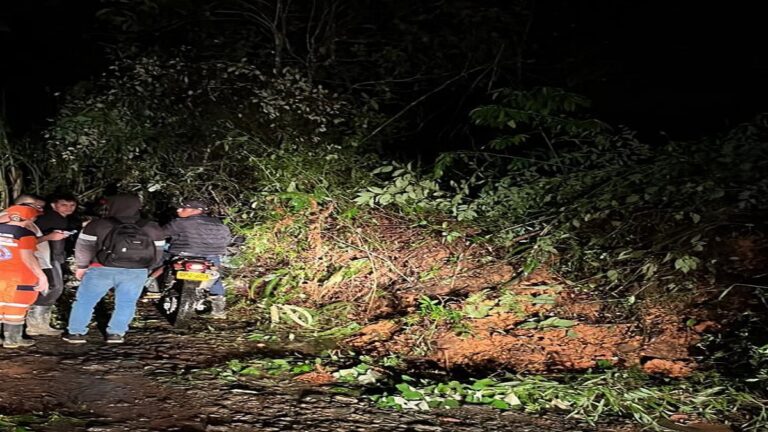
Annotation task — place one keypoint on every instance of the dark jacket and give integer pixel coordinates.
(200, 235)
(123, 208)
(51, 221)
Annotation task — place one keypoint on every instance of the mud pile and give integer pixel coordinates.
(552, 328)
(428, 293)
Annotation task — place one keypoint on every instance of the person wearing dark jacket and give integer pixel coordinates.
(196, 233)
(59, 227)
(117, 251)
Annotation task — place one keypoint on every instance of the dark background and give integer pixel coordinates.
(688, 71)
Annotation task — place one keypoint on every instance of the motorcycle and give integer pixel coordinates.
(182, 287)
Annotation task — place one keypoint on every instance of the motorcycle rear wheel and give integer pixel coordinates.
(187, 301)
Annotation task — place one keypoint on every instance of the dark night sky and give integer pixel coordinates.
(686, 70)
(689, 71)
(45, 48)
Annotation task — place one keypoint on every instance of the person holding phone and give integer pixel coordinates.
(59, 226)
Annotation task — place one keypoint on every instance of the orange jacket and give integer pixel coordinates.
(17, 281)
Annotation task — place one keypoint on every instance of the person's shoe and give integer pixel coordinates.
(115, 339)
(218, 307)
(39, 322)
(74, 338)
(44, 331)
(21, 343)
(12, 337)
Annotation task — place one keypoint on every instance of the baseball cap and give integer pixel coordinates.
(193, 204)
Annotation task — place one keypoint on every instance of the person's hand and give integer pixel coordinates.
(42, 286)
(79, 273)
(156, 272)
(57, 235)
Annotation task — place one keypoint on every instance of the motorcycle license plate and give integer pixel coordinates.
(193, 276)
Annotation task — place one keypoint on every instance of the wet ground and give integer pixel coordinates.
(157, 381)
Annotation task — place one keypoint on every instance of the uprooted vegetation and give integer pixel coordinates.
(406, 299)
(562, 248)
(459, 305)
(591, 248)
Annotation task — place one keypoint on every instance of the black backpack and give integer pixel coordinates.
(127, 245)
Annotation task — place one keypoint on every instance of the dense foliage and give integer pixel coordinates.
(223, 129)
(554, 184)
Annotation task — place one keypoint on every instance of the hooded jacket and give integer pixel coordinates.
(122, 208)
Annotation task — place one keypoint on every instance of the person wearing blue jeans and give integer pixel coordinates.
(115, 252)
(128, 284)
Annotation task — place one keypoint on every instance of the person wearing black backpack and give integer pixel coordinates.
(117, 252)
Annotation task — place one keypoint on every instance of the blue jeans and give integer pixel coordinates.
(217, 289)
(128, 284)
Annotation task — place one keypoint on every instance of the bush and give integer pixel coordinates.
(557, 183)
(170, 127)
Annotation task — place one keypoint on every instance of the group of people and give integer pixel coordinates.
(118, 251)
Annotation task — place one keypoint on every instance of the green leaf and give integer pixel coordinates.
(530, 266)
(385, 199)
(403, 387)
(529, 325)
(557, 322)
(695, 218)
(612, 275)
(686, 263)
(499, 404)
(544, 299)
(450, 403)
(251, 371)
(302, 368)
(604, 364)
(412, 395)
(483, 383)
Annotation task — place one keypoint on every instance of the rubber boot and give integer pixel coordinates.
(39, 322)
(12, 336)
(218, 304)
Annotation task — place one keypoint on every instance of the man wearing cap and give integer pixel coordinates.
(196, 233)
(21, 278)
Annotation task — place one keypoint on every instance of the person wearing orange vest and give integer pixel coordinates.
(21, 278)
